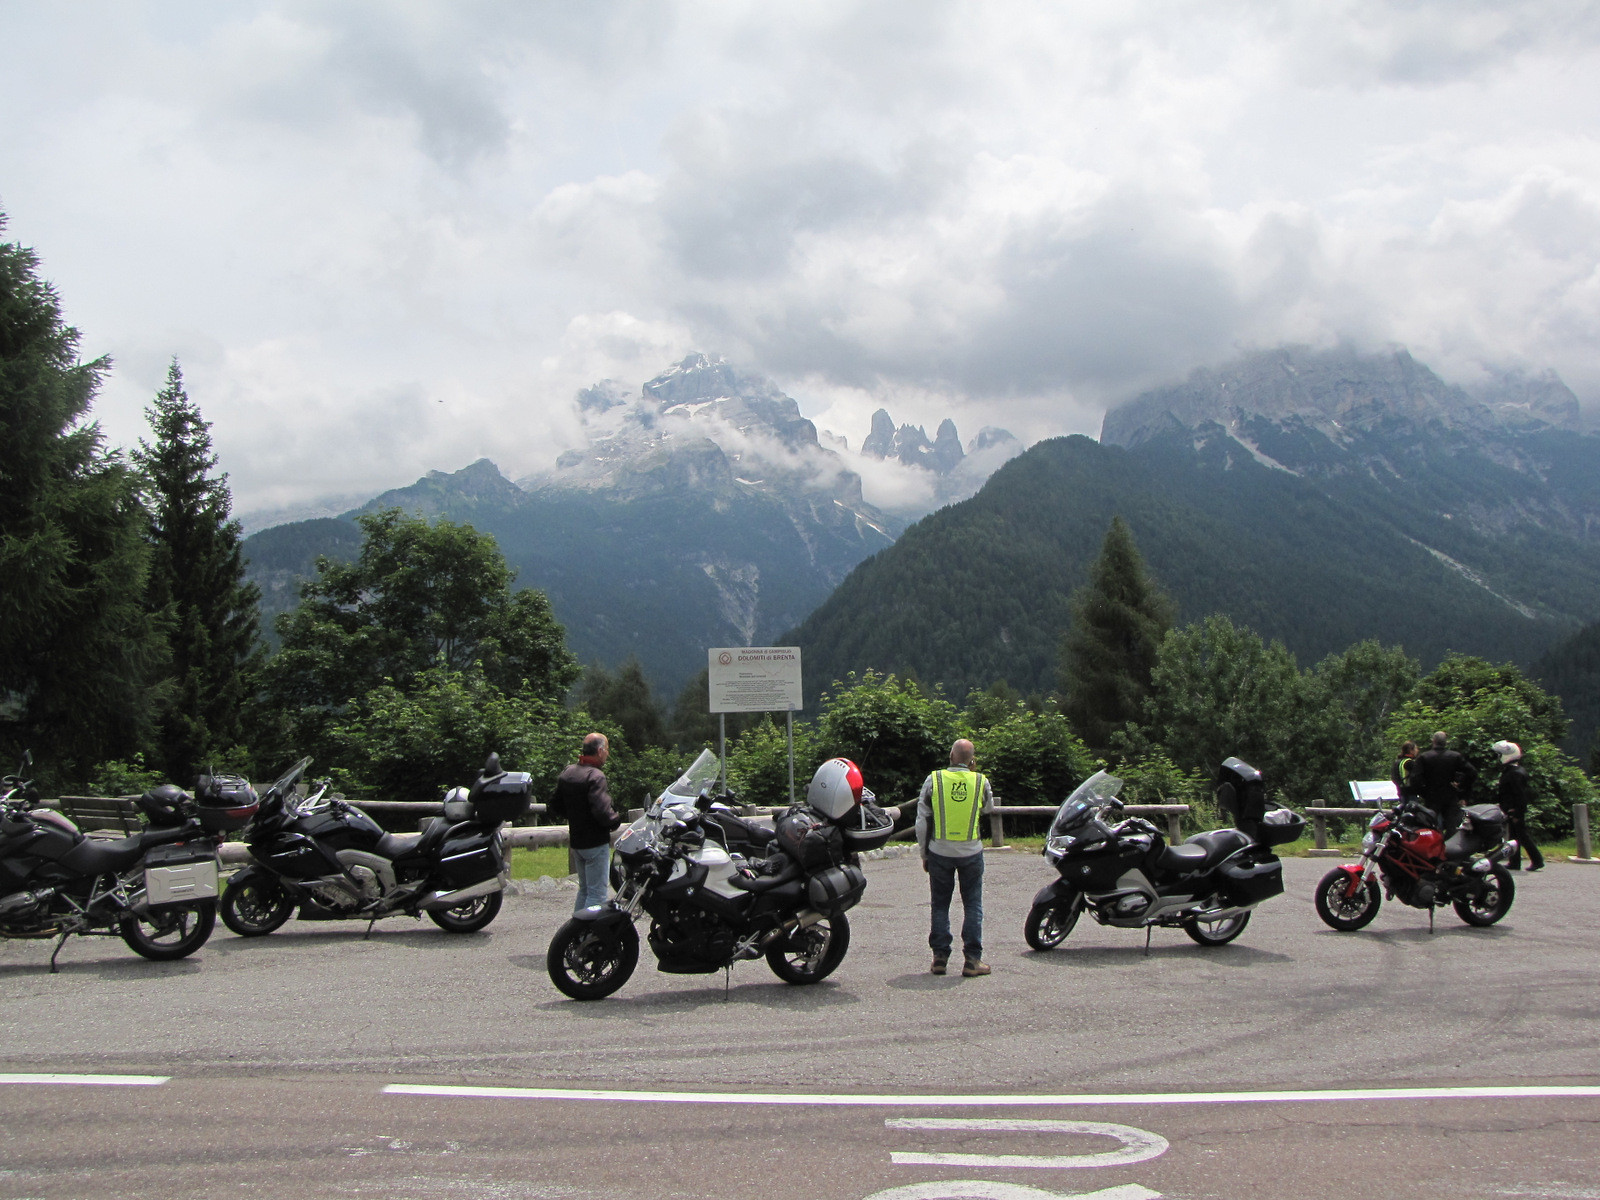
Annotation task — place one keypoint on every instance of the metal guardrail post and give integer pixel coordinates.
(1580, 825)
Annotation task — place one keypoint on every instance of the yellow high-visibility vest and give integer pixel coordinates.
(957, 801)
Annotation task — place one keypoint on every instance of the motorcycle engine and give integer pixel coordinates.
(334, 894)
(367, 878)
(693, 935)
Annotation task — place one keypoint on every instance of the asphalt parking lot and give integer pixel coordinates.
(304, 1030)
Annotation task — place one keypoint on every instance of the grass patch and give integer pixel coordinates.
(531, 862)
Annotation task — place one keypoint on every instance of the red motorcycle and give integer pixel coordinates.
(1419, 866)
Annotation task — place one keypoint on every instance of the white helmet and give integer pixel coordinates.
(1508, 751)
(835, 788)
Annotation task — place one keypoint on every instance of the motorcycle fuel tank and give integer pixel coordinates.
(340, 827)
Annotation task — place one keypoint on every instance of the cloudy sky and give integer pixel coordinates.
(387, 237)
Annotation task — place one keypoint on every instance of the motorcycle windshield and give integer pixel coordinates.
(702, 773)
(1085, 801)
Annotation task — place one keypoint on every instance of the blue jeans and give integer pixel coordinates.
(594, 879)
(942, 875)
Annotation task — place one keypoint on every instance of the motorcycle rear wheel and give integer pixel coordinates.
(1347, 913)
(1216, 933)
(469, 916)
(811, 954)
(1489, 905)
(589, 963)
(170, 935)
(254, 904)
(1048, 925)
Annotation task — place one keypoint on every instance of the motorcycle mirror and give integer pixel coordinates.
(27, 760)
(704, 800)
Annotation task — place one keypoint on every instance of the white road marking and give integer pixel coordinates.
(954, 1100)
(93, 1080)
(1138, 1145)
(980, 1189)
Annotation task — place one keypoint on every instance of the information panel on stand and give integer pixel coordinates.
(755, 679)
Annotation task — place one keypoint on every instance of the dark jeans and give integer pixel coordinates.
(1517, 827)
(942, 875)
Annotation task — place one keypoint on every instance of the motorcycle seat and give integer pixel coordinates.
(1182, 859)
(396, 845)
(97, 856)
(1217, 844)
(739, 832)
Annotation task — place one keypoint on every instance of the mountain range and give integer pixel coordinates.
(1319, 496)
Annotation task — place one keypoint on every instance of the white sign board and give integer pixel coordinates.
(1372, 791)
(755, 679)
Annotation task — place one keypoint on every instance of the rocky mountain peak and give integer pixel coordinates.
(909, 444)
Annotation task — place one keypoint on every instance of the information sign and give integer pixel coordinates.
(755, 679)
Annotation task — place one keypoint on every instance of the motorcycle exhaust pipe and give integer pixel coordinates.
(794, 924)
(451, 899)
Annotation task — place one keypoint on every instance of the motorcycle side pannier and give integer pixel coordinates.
(1248, 880)
(836, 889)
(504, 799)
(867, 827)
(225, 803)
(471, 859)
(180, 874)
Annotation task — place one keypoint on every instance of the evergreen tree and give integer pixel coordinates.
(76, 644)
(197, 587)
(625, 699)
(1118, 620)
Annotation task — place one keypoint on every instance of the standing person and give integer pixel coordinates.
(1513, 796)
(582, 793)
(947, 834)
(1404, 785)
(1444, 778)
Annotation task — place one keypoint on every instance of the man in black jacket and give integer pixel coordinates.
(1513, 797)
(1445, 779)
(582, 793)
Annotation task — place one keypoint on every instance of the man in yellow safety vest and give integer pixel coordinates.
(947, 834)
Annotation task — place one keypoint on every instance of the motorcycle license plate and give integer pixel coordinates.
(181, 883)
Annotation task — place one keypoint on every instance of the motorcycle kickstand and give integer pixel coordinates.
(60, 942)
(1148, 930)
(1430, 920)
(368, 933)
(727, 981)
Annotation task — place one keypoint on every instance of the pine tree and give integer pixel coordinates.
(1118, 620)
(77, 646)
(197, 587)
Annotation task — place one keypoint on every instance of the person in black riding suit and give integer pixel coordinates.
(1444, 778)
(1513, 796)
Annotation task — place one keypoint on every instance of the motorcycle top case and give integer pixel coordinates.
(867, 827)
(225, 803)
(836, 889)
(1279, 826)
(1252, 877)
(471, 857)
(180, 874)
(503, 799)
(809, 838)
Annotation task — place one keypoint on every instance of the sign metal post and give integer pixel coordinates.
(754, 679)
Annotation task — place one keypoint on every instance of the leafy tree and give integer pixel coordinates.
(893, 730)
(417, 595)
(758, 763)
(77, 648)
(1365, 685)
(1219, 690)
(1478, 704)
(197, 587)
(998, 702)
(1118, 620)
(693, 724)
(625, 699)
(1156, 779)
(1030, 758)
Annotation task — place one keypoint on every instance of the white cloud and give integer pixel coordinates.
(389, 237)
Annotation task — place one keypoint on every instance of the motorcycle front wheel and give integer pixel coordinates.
(810, 955)
(1344, 912)
(469, 916)
(1217, 933)
(1490, 904)
(1047, 925)
(170, 935)
(589, 963)
(254, 904)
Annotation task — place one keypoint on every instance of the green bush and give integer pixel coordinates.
(1032, 758)
(758, 763)
(890, 728)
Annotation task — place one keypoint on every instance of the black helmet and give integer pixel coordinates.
(164, 805)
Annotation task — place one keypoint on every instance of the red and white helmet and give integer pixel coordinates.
(835, 788)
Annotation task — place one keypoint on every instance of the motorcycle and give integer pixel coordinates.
(156, 890)
(710, 907)
(1405, 848)
(1124, 874)
(335, 863)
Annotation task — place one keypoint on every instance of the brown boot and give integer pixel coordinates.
(938, 967)
(974, 967)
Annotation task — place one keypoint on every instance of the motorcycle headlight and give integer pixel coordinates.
(1368, 842)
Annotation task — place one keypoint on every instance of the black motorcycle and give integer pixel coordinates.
(335, 863)
(1124, 874)
(156, 890)
(710, 908)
